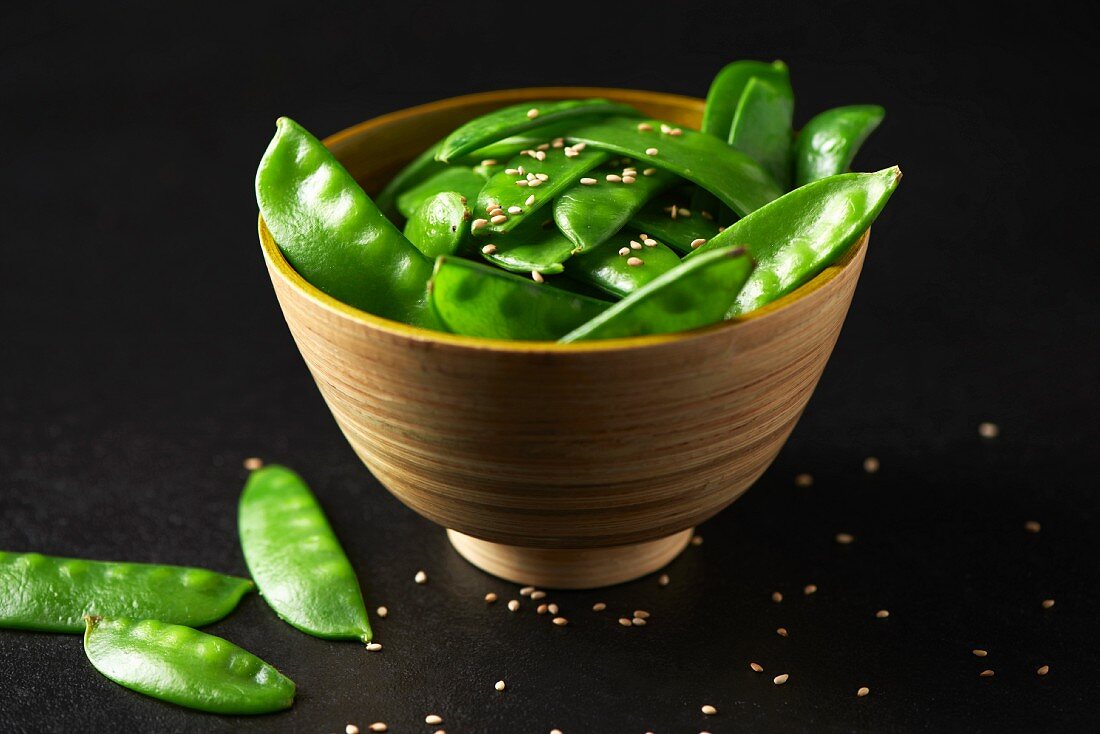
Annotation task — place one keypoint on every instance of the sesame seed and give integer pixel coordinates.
(496, 212)
(721, 230)
(777, 597)
(378, 726)
(599, 606)
(540, 155)
(1048, 603)
(756, 667)
(531, 177)
(809, 589)
(986, 673)
(988, 430)
(536, 182)
(433, 719)
(420, 577)
(802, 480)
(570, 153)
(515, 210)
(635, 262)
(491, 206)
(628, 179)
(645, 127)
(558, 142)
(530, 200)
(489, 162)
(489, 249)
(536, 595)
(499, 685)
(624, 251)
(613, 177)
(1042, 670)
(544, 146)
(586, 181)
(552, 608)
(882, 613)
(863, 691)
(782, 632)
(709, 710)
(663, 580)
(537, 277)
(490, 598)
(651, 151)
(635, 245)
(555, 731)
(641, 613)
(521, 170)
(512, 171)
(374, 646)
(649, 171)
(542, 176)
(870, 465)
(526, 591)
(706, 215)
(844, 538)
(685, 212)
(1032, 526)
(532, 113)
(561, 621)
(382, 612)
(351, 729)
(540, 609)
(781, 679)
(649, 242)
(638, 622)
(522, 182)
(513, 605)
(624, 622)
(697, 540)
(979, 653)
(252, 463)
(579, 146)
(697, 243)
(675, 132)
(665, 128)
(499, 218)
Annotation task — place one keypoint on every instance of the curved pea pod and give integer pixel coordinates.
(460, 179)
(727, 88)
(590, 214)
(761, 127)
(696, 293)
(296, 560)
(670, 221)
(796, 237)
(420, 168)
(334, 235)
(623, 264)
(185, 667)
(537, 182)
(737, 180)
(50, 594)
(530, 247)
(829, 142)
(520, 118)
(505, 148)
(478, 300)
(439, 225)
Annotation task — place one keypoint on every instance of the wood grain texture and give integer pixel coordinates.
(556, 446)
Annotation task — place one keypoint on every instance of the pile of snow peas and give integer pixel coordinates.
(584, 219)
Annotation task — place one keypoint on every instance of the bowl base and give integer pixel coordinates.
(570, 568)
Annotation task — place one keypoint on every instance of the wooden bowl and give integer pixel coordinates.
(562, 466)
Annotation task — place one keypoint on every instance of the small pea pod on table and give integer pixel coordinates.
(460, 179)
(623, 264)
(333, 234)
(829, 142)
(50, 594)
(478, 300)
(669, 219)
(439, 225)
(520, 118)
(185, 667)
(531, 247)
(737, 180)
(697, 293)
(795, 237)
(296, 560)
(761, 126)
(589, 213)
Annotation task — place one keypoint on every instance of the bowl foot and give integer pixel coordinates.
(569, 568)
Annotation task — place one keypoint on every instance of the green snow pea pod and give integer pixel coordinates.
(737, 180)
(522, 118)
(623, 264)
(669, 220)
(829, 141)
(727, 87)
(461, 179)
(184, 666)
(420, 168)
(439, 225)
(479, 300)
(697, 293)
(505, 148)
(531, 246)
(798, 235)
(527, 184)
(334, 235)
(761, 126)
(589, 214)
(296, 560)
(50, 594)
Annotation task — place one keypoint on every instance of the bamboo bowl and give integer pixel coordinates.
(562, 466)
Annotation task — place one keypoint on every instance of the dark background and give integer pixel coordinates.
(144, 357)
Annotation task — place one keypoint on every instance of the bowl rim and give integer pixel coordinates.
(278, 264)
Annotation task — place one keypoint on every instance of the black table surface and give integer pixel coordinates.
(144, 358)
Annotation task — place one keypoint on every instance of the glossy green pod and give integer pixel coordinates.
(727, 87)
(797, 236)
(296, 560)
(670, 220)
(590, 214)
(613, 265)
(478, 300)
(460, 179)
(334, 235)
(185, 667)
(532, 246)
(512, 191)
(737, 180)
(439, 225)
(697, 293)
(829, 142)
(761, 127)
(50, 594)
(521, 118)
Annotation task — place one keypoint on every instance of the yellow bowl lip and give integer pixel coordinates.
(275, 260)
